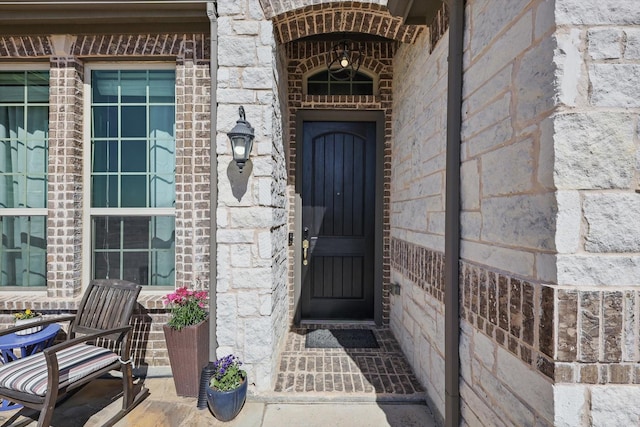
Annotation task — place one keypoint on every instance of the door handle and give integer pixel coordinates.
(305, 251)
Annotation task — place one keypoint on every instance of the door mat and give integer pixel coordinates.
(341, 338)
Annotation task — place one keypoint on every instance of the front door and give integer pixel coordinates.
(338, 191)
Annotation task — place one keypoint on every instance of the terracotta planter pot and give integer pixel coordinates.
(225, 405)
(188, 353)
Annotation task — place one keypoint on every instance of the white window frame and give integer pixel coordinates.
(87, 211)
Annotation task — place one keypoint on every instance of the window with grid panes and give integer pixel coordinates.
(24, 131)
(323, 83)
(133, 175)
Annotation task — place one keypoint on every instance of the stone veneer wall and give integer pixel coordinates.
(67, 56)
(417, 210)
(252, 206)
(596, 142)
(508, 213)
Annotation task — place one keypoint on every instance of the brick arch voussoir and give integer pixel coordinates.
(272, 8)
(343, 17)
(25, 47)
(171, 44)
(317, 61)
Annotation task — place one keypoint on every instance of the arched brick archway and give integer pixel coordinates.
(316, 61)
(342, 17)
(273, 8)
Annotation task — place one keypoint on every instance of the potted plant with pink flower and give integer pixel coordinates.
(187, 337)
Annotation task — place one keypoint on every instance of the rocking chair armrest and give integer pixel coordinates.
(50, 351)
(65, 318)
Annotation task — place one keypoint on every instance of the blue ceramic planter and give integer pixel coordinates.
(225, 405)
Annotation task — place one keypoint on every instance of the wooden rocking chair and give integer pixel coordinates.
(40, 380)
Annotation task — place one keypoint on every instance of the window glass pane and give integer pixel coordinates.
(105, 156)
(36, 157)
(340, 83)
(38, 87)
(163, 251)
(104, 191)
(317, 89)
(362, 89)
(360, 77)
(36, 192)
(37, 122)
(134, 122)
(105, 86)
(134, 191)
(13, 87)
(11, 121)
(136, 233)
(322, 76)
(136, 268)
(134, 156)
(133, 86)
(106, 265)
(144, 252)
(161, 122)
(23, 252)
(107, 232)
(104, 122)
(162, 86)
(340, 89)
(162, 191)
(162, 157)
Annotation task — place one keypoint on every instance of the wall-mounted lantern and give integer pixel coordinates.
(241, 137)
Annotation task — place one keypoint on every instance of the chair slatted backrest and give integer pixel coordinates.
(107, 304)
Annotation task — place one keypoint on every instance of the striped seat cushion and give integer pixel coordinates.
(29, 375)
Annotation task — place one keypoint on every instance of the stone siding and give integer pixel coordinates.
(595, 134)
(508, 216)
(507, 219)
(417, 211)
(252, 205)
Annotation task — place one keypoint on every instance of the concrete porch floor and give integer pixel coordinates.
(99, 401)
(314, 388)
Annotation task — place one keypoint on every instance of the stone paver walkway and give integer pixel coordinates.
(381, 373)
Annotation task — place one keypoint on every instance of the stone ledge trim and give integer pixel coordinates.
(18, 301)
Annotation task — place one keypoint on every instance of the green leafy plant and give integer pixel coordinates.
(187, 307)
(27, 314)
(227, 373)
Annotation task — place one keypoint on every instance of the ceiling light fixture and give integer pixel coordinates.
(343, 61)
